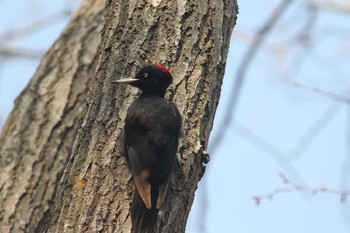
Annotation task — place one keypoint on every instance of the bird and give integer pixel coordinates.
(150, 142)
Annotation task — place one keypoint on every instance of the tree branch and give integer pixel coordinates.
(294, 187)
(21, 53)
(33, 26)
(331, 5)
(324, 93)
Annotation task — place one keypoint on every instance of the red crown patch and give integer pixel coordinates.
(163, 68)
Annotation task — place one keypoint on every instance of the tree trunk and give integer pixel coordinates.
(190, 37)
(37, 137)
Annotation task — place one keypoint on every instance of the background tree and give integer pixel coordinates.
(38, 135)
(95, 191)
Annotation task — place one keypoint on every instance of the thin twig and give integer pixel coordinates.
(294, 187)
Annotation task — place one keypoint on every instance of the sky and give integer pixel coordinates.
(291, 118)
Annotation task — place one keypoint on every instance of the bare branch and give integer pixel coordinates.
(279, 156)
(345, 172)
(331, 5)
(21, 53)
(321, 92)
(293, 187)
(313, 131)
(33, 26)
(304, 38)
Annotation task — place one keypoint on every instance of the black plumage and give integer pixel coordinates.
(151, 136)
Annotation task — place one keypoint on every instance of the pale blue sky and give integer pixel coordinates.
(270, 106)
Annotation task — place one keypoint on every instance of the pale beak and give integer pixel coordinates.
(126, 80)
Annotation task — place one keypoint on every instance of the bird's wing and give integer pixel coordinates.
(140, 175)
(169, 147)
(144, 188)
(162, 193)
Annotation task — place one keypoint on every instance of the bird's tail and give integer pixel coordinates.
(144, 220)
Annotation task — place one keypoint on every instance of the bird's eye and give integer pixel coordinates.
(145, 75)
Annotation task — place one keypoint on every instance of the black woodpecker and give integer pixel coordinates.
(151, 136)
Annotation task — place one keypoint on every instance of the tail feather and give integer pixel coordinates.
(144, 220)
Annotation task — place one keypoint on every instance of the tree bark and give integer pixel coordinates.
(94, 194)
(192, 39)
(37, 137)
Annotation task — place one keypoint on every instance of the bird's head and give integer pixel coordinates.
(152, 79)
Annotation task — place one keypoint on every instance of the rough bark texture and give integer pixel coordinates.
(191, 38)
(37, 138)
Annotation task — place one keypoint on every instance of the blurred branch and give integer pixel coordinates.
(333, 31)
(6, 37)
(33, 26)
(305, 32)
(304, 38)
(313, 131)
(243, 67)
(331, 5)
(318, 91)
(21, 53)
(345, 171)
(293, 187)
(279, 156)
